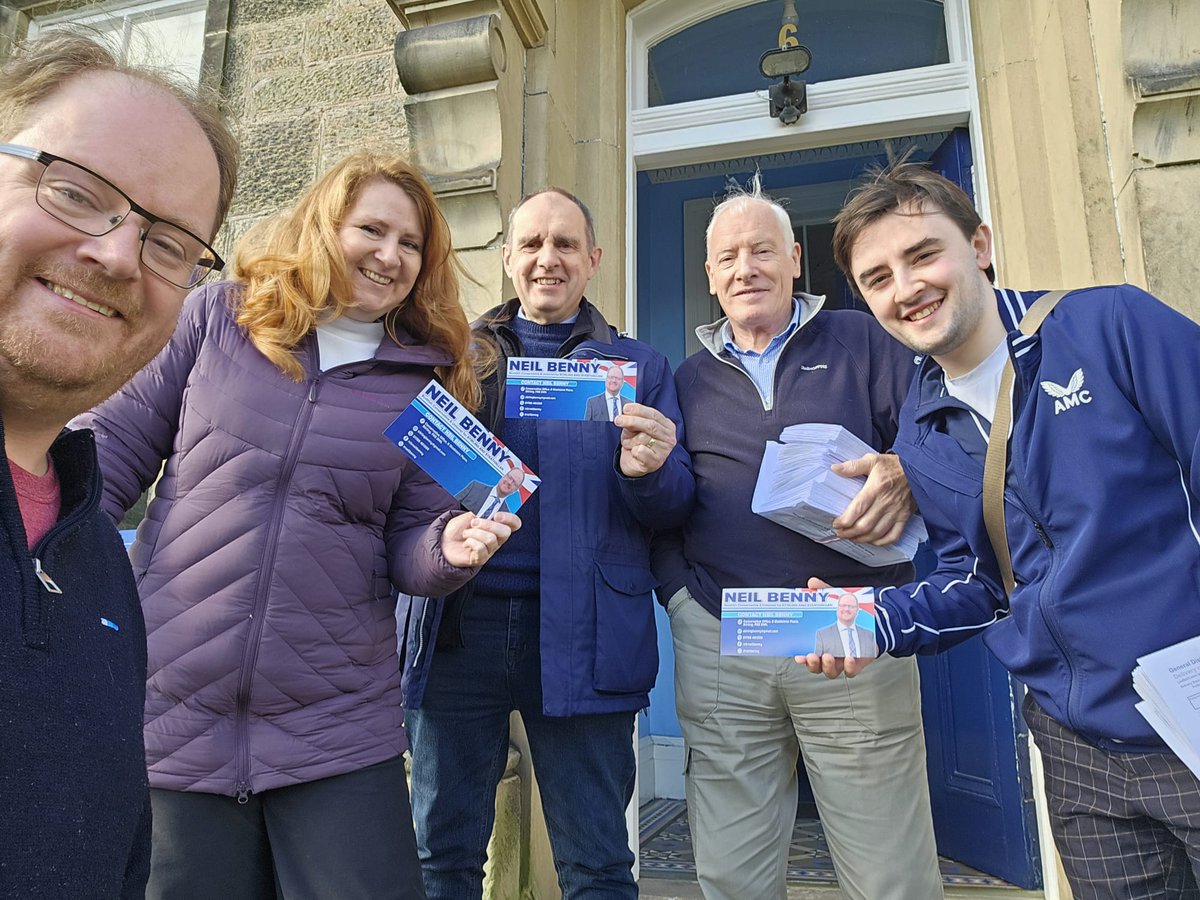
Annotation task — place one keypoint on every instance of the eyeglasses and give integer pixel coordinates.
(77, 196)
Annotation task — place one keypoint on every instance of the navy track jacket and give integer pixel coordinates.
(1101, 506)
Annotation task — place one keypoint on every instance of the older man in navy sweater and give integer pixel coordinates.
(775, 361)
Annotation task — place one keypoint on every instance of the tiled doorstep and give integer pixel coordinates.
(665, 889)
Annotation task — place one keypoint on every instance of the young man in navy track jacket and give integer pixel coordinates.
(1102, 508)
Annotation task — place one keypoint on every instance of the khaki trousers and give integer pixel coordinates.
(745, 719)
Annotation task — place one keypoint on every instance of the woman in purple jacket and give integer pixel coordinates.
(282, 526)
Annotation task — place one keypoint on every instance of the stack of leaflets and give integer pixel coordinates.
(797, 489)
(1168, 681)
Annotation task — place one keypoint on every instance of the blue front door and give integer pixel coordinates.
(978, 767)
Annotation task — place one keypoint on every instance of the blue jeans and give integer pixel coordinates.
(459, 737)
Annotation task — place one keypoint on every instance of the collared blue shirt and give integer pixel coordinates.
(567, 321)
(761, 366)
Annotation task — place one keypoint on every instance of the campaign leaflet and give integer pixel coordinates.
(589, 390)
(1168, 681)
(460, 454)
(796, 621)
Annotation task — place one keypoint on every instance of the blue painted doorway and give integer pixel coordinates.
(978, 764)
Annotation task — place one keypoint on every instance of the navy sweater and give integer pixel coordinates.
(76, 807)
(515, 570)
(839, 367)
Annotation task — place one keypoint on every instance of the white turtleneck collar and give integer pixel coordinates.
(345, 341)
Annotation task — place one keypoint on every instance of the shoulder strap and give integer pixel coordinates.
(996, 462)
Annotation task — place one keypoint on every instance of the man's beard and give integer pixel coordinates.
(33, 378)
(963, 314)
(35, 372)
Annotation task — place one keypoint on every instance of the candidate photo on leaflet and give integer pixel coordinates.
(484, 499)
(608, 404)
(845, 637)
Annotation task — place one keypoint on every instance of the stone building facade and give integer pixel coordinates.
(1088, 113)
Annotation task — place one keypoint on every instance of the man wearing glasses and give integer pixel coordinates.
(113, 182)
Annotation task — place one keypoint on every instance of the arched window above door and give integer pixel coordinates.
(719, 56)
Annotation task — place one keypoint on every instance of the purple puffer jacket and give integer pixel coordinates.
(268, 560)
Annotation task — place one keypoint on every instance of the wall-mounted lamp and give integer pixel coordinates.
(789, 100)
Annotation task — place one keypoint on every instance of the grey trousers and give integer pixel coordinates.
(744, 721)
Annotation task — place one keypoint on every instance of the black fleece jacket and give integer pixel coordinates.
(73, 789)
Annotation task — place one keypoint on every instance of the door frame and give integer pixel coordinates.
(871, 107)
